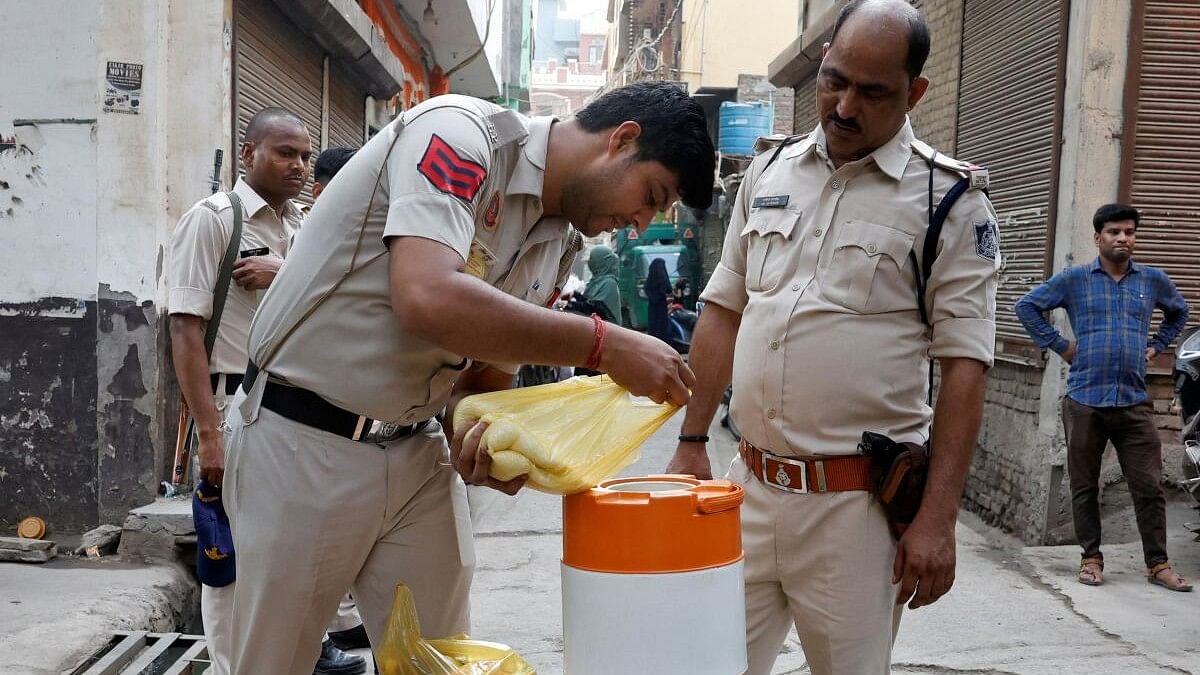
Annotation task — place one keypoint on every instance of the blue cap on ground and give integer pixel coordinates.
(214, 541)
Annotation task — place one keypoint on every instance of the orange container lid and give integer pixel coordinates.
(653, 524)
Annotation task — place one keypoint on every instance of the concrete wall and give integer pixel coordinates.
(718, 34)
(85, 377)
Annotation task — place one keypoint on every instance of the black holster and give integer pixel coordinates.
(898, 475)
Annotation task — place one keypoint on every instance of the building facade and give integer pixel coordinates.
(575, 69)
(720, 41)
(1070, 105)
(124, 114)
(644, 41)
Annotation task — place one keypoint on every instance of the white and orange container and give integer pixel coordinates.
(652, 578)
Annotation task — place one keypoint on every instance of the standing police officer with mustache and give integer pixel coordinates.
(815, 313)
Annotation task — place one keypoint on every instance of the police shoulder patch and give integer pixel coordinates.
(987, 237)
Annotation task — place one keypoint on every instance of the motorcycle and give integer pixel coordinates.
(1187, 398)
(681, 323)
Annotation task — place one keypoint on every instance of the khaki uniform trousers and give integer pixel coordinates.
(216, 603)
(314, 515)
(821, 562)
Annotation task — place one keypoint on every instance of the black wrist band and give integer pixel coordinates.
(685, 438)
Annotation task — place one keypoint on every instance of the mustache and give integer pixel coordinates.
(849, 123)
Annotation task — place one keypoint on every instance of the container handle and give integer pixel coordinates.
(725, 502)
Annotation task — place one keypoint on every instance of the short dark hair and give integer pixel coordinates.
(331, 161)
(918, 36)
(1115, 213)
(674, 132)
(258, 126)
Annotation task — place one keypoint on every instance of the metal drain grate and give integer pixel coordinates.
(142, 653)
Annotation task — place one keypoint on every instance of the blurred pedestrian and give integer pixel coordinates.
(657, 289)
(603, 290)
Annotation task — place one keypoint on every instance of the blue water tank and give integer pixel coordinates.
(741, 125)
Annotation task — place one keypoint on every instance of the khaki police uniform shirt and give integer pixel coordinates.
(455, 170)
(197, 247)
(817, 262)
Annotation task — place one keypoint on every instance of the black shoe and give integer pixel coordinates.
(353, 638)
(334, 661)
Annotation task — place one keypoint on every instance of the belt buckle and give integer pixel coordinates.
(780, 479)
(377, 431)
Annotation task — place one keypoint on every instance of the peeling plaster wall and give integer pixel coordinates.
(48, 381)
(88, 201)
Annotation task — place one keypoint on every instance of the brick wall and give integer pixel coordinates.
(935, 118)
(1018, 479)
(755, 88)
(1013, 473)
(805, 110)
(785, 110)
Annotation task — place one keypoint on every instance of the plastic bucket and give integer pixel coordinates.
(652, 578)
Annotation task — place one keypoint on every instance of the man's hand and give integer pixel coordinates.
(925, 560)
(1151, 352)
(211, 452)
(691, 459)
(646, 366)
(473, 462)
(256, 272)
(1068, 354)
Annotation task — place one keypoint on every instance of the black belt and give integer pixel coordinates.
(308, 408)
(231, 382)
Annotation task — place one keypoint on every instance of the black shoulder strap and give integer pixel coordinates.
(221, 292)
(783, 144)
(935, 218)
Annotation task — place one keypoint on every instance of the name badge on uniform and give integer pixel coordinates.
(480, 261)
(772, 202)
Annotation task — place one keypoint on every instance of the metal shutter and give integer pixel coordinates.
(805, 113)
(1163, 180)
(347, 109)
(276, 65)
(1008, 119)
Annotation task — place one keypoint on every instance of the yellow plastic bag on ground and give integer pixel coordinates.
(567, 436)
(405, 652)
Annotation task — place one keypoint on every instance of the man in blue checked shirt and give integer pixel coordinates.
(1110, 302)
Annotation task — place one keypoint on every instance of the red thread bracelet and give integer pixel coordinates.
(593, 362)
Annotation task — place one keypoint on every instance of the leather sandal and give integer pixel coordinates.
(1173, 582)
(1091, 571)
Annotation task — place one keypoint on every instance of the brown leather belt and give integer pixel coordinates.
(808, 475)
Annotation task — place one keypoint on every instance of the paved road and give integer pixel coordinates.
(1013, 609)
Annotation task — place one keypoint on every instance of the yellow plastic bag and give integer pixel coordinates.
(567, 436)
(405, 652)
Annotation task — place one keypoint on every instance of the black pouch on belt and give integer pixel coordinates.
(898, 474)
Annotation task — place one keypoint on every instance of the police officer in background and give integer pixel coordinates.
(440, 243)
(813, 312)
(275, 153)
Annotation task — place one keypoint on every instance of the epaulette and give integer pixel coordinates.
(977, 174)
(779, 146)
(217, 202)
(776, 141)
(765, 143)
(504, 127)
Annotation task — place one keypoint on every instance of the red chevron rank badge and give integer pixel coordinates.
(450, 172)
